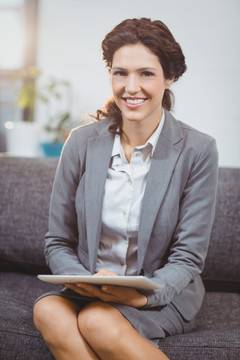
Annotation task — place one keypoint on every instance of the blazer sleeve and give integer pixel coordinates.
(62, 238)
(189, 242)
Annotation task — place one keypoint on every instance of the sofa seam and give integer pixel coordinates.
(19, 333)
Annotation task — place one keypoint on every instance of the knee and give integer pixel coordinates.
(98, 322)
(47, 319)
(41, 313)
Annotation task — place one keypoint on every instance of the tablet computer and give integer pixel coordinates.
(138, 282)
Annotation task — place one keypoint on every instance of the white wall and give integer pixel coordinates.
(207, 96)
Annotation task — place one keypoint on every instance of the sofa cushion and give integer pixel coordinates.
(19, 339)
(222, 262)
(216, 335)
(25, 186)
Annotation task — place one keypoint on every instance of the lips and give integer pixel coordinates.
(134, 103)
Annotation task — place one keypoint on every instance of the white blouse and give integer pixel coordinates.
(124, 191)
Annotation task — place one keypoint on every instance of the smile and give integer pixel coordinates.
(134, 103)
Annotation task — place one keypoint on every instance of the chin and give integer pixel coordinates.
(132, 116)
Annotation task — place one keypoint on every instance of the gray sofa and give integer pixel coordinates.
(25, 187)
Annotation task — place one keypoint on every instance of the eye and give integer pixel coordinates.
(147, 73)
(119, 73)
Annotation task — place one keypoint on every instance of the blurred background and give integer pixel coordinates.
(52, 74)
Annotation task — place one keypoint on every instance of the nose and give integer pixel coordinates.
(132, 84)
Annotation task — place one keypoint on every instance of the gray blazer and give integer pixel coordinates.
(176, 217)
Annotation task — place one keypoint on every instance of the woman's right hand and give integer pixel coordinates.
(105, 272)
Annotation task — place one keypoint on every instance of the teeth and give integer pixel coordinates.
(134, 101)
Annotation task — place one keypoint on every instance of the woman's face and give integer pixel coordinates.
(138, 84)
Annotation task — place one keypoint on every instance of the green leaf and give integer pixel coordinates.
(66, 83)
(43, 98)
(22, 100)
(58, 95)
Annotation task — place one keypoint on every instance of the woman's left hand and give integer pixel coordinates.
(111, 293)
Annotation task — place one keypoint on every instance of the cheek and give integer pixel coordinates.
(117, 86)
(157, 90)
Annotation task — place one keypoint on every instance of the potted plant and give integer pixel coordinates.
(59, 122)
(58, 129)
(55, 95)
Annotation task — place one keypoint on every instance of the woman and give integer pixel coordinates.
(133, 194)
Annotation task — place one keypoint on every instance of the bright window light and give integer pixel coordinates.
(11, 3)
(11, 36)
(9, 125)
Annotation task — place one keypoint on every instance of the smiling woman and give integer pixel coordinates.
(147, 39)
(134, 194)
(139, 87)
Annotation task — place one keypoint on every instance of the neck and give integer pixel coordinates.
(135, 137)
(137, 133)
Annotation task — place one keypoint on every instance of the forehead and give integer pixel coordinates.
(135, 55)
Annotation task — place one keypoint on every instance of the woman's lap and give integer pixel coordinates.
(156, 324)
(153, 324)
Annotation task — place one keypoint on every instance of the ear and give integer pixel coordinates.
(169, 82)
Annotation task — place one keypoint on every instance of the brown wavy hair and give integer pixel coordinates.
(156, 36)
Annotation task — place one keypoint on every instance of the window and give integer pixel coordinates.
(18, 38)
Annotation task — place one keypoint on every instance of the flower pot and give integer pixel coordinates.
(52, 149)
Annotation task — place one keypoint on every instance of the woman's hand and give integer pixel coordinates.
(105, 272)
(110, 293)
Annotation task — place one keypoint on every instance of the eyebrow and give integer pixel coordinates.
(141, 69)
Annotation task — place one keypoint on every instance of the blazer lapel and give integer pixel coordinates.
(165, 156)
(99, 151)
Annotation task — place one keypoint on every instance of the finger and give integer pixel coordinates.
(105, 272)
(109, 289)
(116, 289)
(78, 290)
(93, 290)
